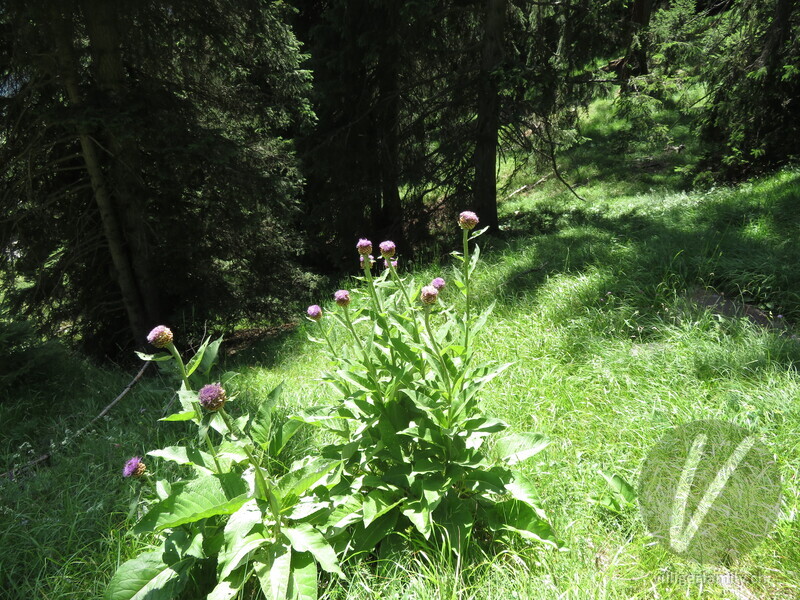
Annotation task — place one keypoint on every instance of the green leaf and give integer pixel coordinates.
(273, 571)
(234, 555)
(517, 447)
(305, 538)
(210, 356)
(200, 498)
(185, 456)
(367, 539)
(283, 433)
(303, 582)
(302, 476)
(378, 503)
(186, 415)
(195, 360)
(619, 486)
(261, 424)
(146, 577)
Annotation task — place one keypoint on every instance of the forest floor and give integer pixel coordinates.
(599, 306)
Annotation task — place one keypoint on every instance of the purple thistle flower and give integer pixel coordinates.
(438, 283)
(160, 337)
(314, 312)
(342, 297)
(429, 294)
(467, 220)
(134, 467)
(388, 249)
(212, 397)
(364, 247)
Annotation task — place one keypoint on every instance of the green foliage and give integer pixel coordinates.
(411, 458)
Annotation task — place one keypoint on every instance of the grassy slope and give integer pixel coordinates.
(608, 354)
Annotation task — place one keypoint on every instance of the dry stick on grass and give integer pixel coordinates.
(45, 457)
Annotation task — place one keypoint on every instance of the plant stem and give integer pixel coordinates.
(466, 292)
(325, 335)
(439, 354)
(177, 355)
(211, 448)
(368, 276)
(261, 483)
(367, 361)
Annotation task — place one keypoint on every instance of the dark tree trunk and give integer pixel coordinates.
(389, 221)
(775, 35)
(128, 191)
(635, 62)
(112, 228)
(488, 118)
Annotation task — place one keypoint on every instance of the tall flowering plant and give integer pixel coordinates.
(408, 459)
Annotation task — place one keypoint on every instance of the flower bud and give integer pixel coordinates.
(364, 247)
(388, 249)
(387, 262)
(134, 468)
(467, 220)
(429, 294)
(212, 397)
(342, 297)
(314, 312)
(438, 283)
(371, 260)
(160, 337)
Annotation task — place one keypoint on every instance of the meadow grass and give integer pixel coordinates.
(608, 351)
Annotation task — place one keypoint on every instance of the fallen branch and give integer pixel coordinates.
(46, 457)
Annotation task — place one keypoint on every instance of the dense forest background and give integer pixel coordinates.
(205, 163)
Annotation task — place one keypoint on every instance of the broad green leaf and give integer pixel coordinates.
(261, 424)
(194, 362)
(302, 476)
(305, 538)
(242, 522)
(232, 556)
(520, 518)
(378, 503)
(210, 356)
(229, 588)
(200, 498)
(146, 577)
(283, 433)
(347, 510)
(273, 570)
(517, 447)
(619, 486)
(185, 456)
(186, 415)
(367, 539)
(303, 582)
(523, 490)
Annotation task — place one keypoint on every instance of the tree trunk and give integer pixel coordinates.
(635, 62)
(775, 36)
(128, 191)
(126, 279)
(488, 118)
(390, 217)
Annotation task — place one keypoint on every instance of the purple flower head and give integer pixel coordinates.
(371, 260)
(314, 312)
(212, 397)
(364, 247)
(134, 467)
(467, 220)
(342, 297)
(160, 337)
(429, 294)
(388, 249)
(438, 283)
(387, 262)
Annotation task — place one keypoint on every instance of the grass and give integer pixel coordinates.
(593, 309)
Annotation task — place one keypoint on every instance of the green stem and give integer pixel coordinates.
(399, 282)
(370, 367)
(439, 354)
(466, 291)
(325, 335)
(213, 451)
(177, 355)
(261, 483)
(368, 276)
